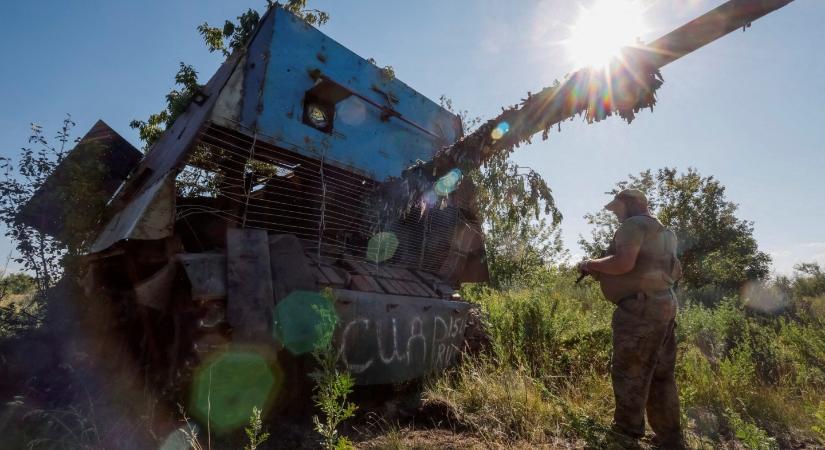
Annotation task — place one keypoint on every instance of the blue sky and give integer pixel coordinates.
(748, 109)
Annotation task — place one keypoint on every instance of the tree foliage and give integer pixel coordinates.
(232, 36)
(515, 204)
(37, 252)
(717, 249)
(16, 284)
(808, 281)
(521, 221)
(311, 16)
(186, 80)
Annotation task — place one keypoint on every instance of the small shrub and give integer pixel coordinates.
(331, 385)
(750, 435)
(331, 390)
(254, 432)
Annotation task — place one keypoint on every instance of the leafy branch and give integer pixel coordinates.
(232, 36)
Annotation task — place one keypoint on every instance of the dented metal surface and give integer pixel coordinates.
(249, 299)
(206, 273)
(155, 292)
(150, 216)
(100, 149)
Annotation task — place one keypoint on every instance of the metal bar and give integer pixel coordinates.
(707, 28)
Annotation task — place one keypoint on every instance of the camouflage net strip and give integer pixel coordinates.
(623, 88)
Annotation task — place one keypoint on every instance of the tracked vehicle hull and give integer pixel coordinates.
(263, 191)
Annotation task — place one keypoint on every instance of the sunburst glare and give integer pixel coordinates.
(603, 29)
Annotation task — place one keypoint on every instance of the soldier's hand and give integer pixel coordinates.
(582, 267)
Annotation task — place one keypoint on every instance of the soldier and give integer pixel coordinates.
(638, 275)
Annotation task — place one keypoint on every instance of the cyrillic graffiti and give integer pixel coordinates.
(400, 340)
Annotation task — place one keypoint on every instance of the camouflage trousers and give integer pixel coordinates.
(643, 364)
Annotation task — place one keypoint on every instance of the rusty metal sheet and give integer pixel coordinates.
(400, 274)
(289, 266)
(365, 283)
(332, 275)
(206, 273)
(391, 286)
(390, 339)
(47, 208)
(417, 289)
(320, 277)
(149, 216)
(226, 111)
(248, 284)
(155, 291)
(436, 284)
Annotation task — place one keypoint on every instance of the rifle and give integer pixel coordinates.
(602, 254)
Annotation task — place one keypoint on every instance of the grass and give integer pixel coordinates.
(745, 378)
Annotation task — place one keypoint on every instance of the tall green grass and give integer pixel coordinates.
(744, 377)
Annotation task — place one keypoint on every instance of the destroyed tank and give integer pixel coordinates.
(307, 198)
(259, 198)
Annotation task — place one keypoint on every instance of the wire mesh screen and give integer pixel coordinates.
(249, 182)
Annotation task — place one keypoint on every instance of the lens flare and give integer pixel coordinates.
(227, 386)
(382, 247)
(448, 183)
(177, 440)
(764, 298)
(603, 29)
(304, 321)
(351, 111)
(500, 130)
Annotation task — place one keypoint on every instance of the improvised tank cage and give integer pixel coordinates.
(291, 136)
(265, 187)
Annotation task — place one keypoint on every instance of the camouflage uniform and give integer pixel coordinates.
(643, 363)
(644, 345)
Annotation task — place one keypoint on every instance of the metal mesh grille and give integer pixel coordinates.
(258, 185)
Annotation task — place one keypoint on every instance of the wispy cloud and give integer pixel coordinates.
(785, 259)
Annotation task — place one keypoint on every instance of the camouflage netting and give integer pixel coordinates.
(623, 88)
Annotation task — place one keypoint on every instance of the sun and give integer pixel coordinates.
(603, 29)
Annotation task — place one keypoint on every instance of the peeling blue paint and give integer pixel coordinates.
(277, 75)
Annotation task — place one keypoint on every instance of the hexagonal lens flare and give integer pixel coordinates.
(304, 321)
(448, 183)
(382, 247)
(176, 440)
(227, 386)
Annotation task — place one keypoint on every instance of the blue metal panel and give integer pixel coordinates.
(257, 57)
(361, 139)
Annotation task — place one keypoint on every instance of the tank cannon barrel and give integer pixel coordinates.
(626, 85)
(707, 28)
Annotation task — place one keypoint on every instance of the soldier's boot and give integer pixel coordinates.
(676, 442)
(616, 439)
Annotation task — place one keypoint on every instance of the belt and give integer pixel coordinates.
(645, 295)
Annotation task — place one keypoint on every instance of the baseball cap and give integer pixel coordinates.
(627, 194)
